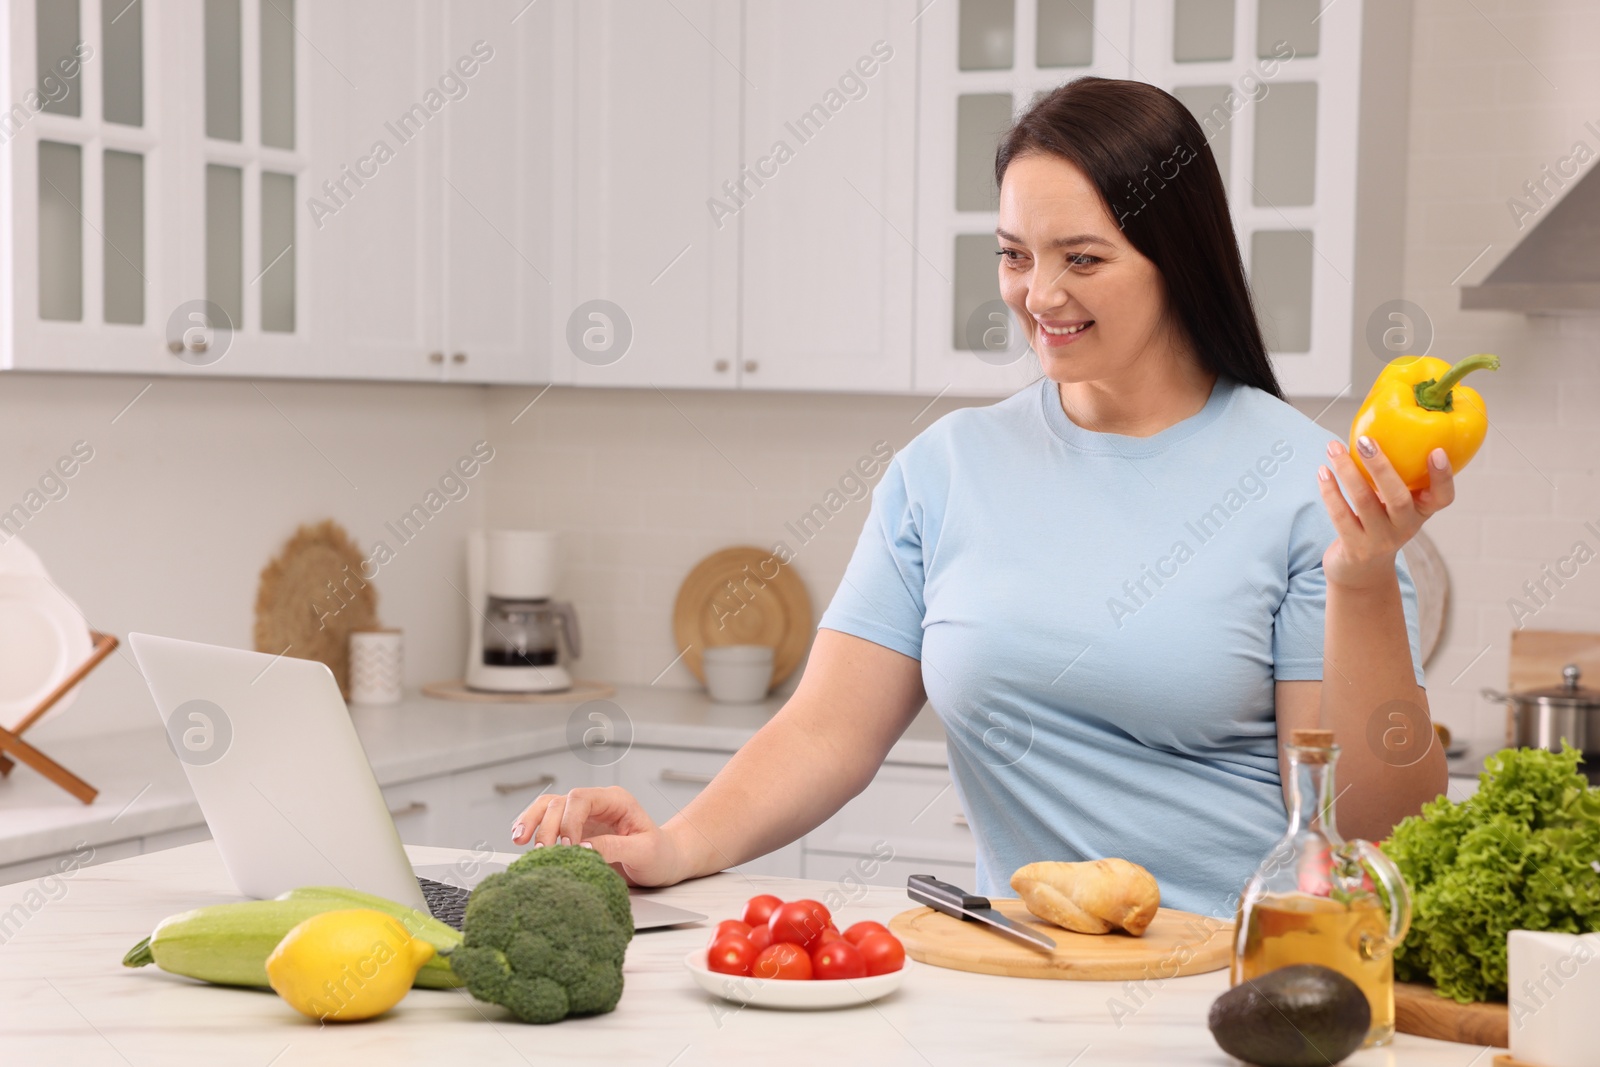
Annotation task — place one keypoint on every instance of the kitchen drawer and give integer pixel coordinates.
(912, 811)
(664, 780)
(846, 871)
(421, 812)
(69, 862)
(186, 835)
(488, 799)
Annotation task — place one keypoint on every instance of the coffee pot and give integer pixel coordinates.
(518, 631)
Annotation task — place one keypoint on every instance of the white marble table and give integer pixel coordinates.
(65, 1000)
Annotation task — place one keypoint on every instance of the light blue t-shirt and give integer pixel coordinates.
(1100, 620)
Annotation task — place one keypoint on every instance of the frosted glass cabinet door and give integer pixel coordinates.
(80, 149)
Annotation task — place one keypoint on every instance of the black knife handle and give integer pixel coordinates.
(942, 896)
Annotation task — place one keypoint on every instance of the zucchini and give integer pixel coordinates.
(228, 944)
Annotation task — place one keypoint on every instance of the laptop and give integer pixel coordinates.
(285, 786)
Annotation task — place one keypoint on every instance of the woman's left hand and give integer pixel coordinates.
(1373, 526)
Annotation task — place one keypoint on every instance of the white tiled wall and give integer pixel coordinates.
(644, 486)
(1500, 87)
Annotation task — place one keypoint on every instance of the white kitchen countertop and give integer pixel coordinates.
(69, 1002)
(143, 790)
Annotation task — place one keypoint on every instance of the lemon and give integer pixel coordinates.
(345, 965)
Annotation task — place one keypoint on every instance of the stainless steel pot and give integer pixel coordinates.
(1542, 718)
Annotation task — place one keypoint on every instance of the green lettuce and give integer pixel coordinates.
(1520, 854)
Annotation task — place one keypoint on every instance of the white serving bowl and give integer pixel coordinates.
(738, 674)
(810, 995)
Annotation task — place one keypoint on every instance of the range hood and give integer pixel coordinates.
(1556, 265)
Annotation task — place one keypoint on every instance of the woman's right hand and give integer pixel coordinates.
(609, 820)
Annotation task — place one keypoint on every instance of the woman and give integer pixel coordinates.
(1118, 588)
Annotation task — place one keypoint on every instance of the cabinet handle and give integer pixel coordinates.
(435, 357)
(721, 366)
(541, 783)
(750, 366)
(416, 807)
(686, 777)
(959, 819)
(458, 357)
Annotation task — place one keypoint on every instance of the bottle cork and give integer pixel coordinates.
(1311, 738)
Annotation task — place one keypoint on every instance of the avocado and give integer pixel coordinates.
(1301, 1016)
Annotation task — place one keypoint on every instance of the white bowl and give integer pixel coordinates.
(738, 674)
(809, 995)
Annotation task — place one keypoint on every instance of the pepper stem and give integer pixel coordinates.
(1435, 394)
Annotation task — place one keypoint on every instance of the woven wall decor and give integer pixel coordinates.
(312, 595)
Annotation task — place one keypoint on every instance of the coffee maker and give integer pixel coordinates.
(517, 630)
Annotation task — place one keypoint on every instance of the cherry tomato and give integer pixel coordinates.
(838, 959)
(829, 935)
(784, 961)
(760, 937)
(800, 922)
(730, 926)
(731, 954)
(818, 906)
(856, 932)
(757, 910)
(883, 953)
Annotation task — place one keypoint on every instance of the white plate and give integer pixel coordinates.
(43, 639)
(793, 995)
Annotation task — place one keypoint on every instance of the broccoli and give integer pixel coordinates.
(544, 944)
(587, 865)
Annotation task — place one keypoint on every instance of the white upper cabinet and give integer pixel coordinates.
(983, 61)
(88, 262)
(1303, 104)
(280, 188)
(756, 194)
(374, 239)
(826, 194)
(656, 284)
(506, 256)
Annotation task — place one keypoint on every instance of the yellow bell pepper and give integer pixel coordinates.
(1415, 406)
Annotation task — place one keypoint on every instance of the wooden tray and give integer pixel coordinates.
(729, 599)
(1177, 943)
(1420, 1010)
(456, 689)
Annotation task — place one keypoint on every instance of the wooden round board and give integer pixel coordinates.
(743, 596)
(456, 689)
(1420, 1010)
(1177, 943)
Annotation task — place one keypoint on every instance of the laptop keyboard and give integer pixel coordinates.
(447, 903)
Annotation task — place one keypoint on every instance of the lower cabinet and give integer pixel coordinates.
(666, 779)
(65, 864)
(848, 871)
(906, 821)
(487, 800)
(476, 807)
(905, 812)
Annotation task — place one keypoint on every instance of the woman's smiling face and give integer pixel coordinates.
(1092, 305)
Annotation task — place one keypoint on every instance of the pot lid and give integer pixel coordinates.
(1568, 692)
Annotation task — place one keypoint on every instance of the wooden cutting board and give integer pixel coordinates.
(1177, 943)
(1420, 1010)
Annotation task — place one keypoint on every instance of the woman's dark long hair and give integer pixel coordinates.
(1149, 159)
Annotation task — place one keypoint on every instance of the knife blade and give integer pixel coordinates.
(957, 902)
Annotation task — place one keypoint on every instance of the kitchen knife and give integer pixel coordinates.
(942, 896)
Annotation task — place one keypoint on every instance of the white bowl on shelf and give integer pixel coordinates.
(793, 995)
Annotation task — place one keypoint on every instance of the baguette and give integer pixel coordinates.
(1094, 897)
